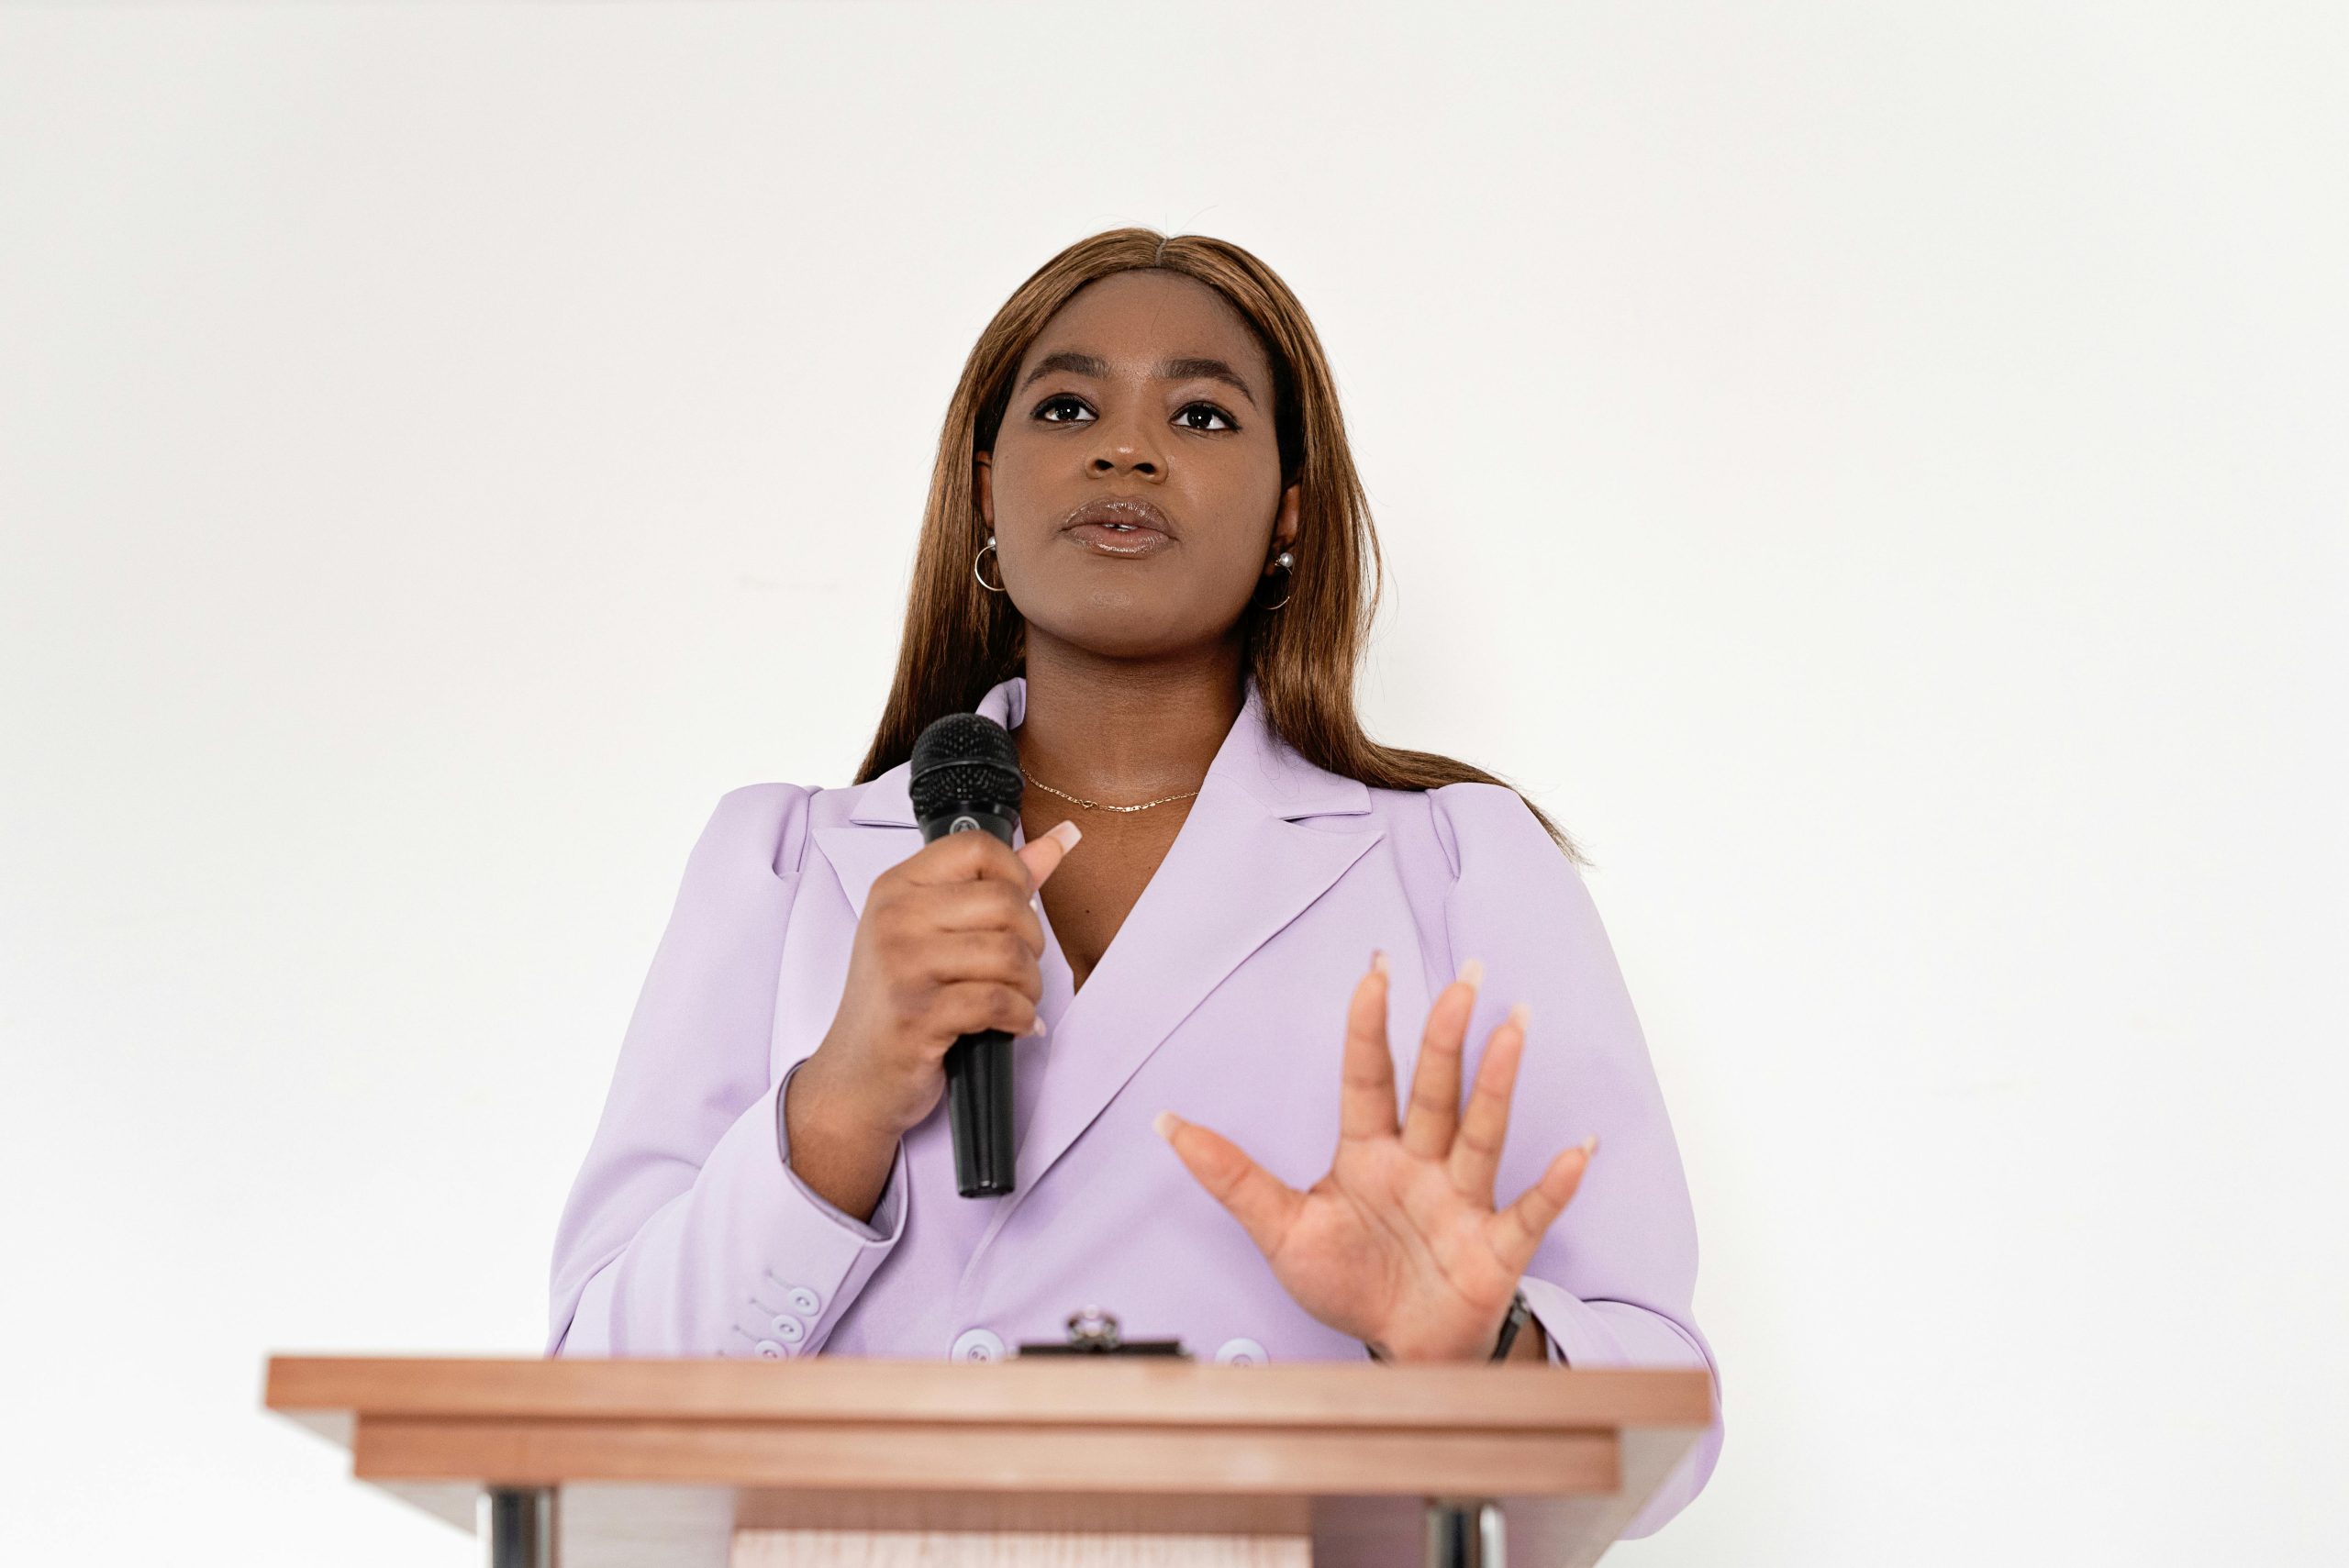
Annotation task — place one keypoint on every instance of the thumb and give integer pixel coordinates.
(1043, 856)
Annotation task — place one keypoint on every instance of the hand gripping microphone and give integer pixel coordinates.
(966, 775)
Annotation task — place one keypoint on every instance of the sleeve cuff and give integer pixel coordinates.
(814, 1261)
(747, 1263)
(1576, 1335)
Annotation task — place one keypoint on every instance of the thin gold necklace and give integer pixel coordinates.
(1096, 805)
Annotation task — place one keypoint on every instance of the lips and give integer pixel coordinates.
(1128, 520)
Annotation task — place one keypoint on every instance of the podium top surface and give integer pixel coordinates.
(1059, 1391)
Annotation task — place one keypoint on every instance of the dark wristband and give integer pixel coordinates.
(1520, 1312)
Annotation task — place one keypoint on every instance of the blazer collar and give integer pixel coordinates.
(1268, 833)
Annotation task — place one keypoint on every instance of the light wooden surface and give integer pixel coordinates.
(1015, 1549)
(664, 1460)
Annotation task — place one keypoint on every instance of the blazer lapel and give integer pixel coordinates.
(1244, 864)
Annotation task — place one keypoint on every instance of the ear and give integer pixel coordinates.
(1285, 520)
(983, 465)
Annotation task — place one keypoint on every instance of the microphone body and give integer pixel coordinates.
(965, 778)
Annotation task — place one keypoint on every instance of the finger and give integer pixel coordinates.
(988, 906)
(971, 855)
(1262, 1202)
(971, 1007)
(1044, 855)
(997, 957)
(1518, 1228)
(1484, 1125)
(1435, 1083)
(1366, 1072)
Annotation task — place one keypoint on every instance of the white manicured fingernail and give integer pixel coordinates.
(1068, 833)
(1164, 1125)
(1472, 972)
(1519, 1014)
(1378, 960)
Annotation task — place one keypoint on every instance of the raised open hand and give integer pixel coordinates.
(1399, 1245)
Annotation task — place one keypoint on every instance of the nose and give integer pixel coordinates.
(1127, 443)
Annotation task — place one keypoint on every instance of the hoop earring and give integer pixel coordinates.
(990, 587)
(1287, 563)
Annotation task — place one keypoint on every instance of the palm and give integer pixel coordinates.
(1399, 1244)
(1346, 1259)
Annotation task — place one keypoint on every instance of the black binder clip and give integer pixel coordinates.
(1093, 1332)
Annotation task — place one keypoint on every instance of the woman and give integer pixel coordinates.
(1145, 554)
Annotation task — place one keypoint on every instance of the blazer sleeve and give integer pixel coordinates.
(1611, 1284)
(687, 1233)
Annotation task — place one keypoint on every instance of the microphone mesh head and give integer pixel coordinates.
(964, 757)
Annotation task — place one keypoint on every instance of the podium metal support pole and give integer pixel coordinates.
(517, 1527)
(1465, 1533)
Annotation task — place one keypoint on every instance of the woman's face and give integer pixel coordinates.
(1146, 386)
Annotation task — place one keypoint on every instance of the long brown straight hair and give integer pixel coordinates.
(960, 640)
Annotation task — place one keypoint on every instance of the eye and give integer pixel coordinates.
(1211, 411)
(1054, 402)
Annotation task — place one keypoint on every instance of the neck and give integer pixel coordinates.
(1122, 731)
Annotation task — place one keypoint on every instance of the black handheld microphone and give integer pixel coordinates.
(966, 775)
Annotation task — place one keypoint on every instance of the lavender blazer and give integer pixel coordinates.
(1222, 998)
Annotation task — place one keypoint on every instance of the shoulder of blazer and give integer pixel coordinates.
(1486, 814)
(770, 819)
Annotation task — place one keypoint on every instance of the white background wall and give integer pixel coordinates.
(1873, 471)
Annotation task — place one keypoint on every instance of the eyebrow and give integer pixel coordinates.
(1168, 369)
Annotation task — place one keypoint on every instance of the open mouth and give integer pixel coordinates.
(1119, 537)
(1120, 524)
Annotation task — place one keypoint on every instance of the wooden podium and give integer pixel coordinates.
(1096, 1460)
